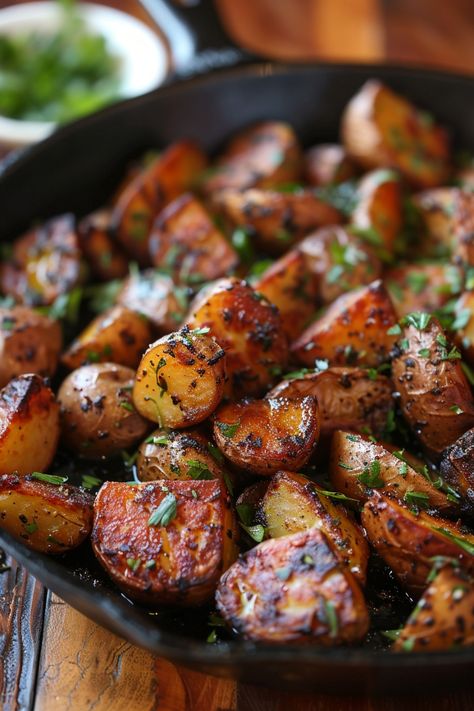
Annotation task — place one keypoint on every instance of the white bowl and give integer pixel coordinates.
(142, 55)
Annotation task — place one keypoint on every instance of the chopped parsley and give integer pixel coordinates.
(165, 512)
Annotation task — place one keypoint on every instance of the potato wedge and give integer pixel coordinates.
(293, 503)
(457, 468)
(422, 287)
(97, 414)
(118, 335)
(380, 128)
(328, 164)
(97, 241)
(180, 379)
(435, 397)
(29, 343)
(185, 240)
(358, 466)
(408, 542)
(29, 425)
(165, 541)
(353, 330)
(293, 590)
(443, 617)
(264, 155)
(348, 398)
(248, 328)
(47, 518)
(263, 436)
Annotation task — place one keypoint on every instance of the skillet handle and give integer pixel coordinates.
(198, 41)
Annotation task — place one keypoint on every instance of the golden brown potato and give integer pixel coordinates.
(464, 228)
(46, 263)
(50, 518)
(358, 466)
(339, 261)
(97, 414)
(29, 425)
(97, 242)
(435, 396)
(436, 209)
(381, 128)
(165, 541)
(348, 398)
(249, 330)
(171, 173)
(156, 296)
(264, 155)
(353, 330)
(185, 240)
(263, 436)
(443, 617)
(277, 220)
(291, 287)
(293, 503)
(294, 590)
(118, 335)
(328, 164)
(29, 343)
(457, 468)
(180, 379)
(422, 287)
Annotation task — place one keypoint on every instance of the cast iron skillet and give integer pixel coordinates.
(75, 170)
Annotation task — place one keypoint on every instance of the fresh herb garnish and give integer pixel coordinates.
(165, 512)
(458, 540)
(227, 429)
(198, 470)
(50, 478)
(371, 476)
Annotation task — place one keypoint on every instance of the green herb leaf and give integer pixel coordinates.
(165, 512)
(331, 617)
(134, 563)
(419, 319)
(417, 498)
(215, 452)
(370, 477)
(228, 430)
(458, 540)
(50, 478)
(199, 470)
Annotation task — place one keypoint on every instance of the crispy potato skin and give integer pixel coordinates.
(178, 564)
(180, 379)
(328, 164)
(457, 468)
(248, 328)
(431, 388)
(185, 239)
(97, 415)
(29, 343)
(264, 155)
(290, 286)
(379, 208)
(380, 128)
(29, 425)
(283, 589)
(353, 330)
(173, 172)
(118, 335)
(293, 503)
(443, 617)
(347, 398)
(422, 287)
(172, 455)
(408, 542)
(47, 518)
(351, 455)
(271, 434)
(97, 242)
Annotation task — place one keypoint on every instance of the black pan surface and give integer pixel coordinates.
(76, 170)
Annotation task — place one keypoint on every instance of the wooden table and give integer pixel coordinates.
(54, 659)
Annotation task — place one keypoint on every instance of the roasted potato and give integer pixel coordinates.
(156, 296)
(293, 590)
(249, 330)
(263, 436)
(353, 330)
(277, 220)
(422, 287)
(97, 241)
(436, 209)
(118, 335)
(292, 288)
(328, 164)
(29, 425)
(464, 228)
(171, 173)
(165, 541)
(435, 396)
(264, 155)
(358, 466)
(46, 517)
(29, 343)
(408, 542)
(339, 261)
(180, 379)
(97, 414)
(293, 503)
(444, 615)
(463, 325)
(457, 468)
(381, 129)
(348, 398)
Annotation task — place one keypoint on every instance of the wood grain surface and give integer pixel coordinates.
(54, 659)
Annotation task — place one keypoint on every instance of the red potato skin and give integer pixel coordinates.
(436, 286)
(328, 164)
(379, 207)
(97, 241)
